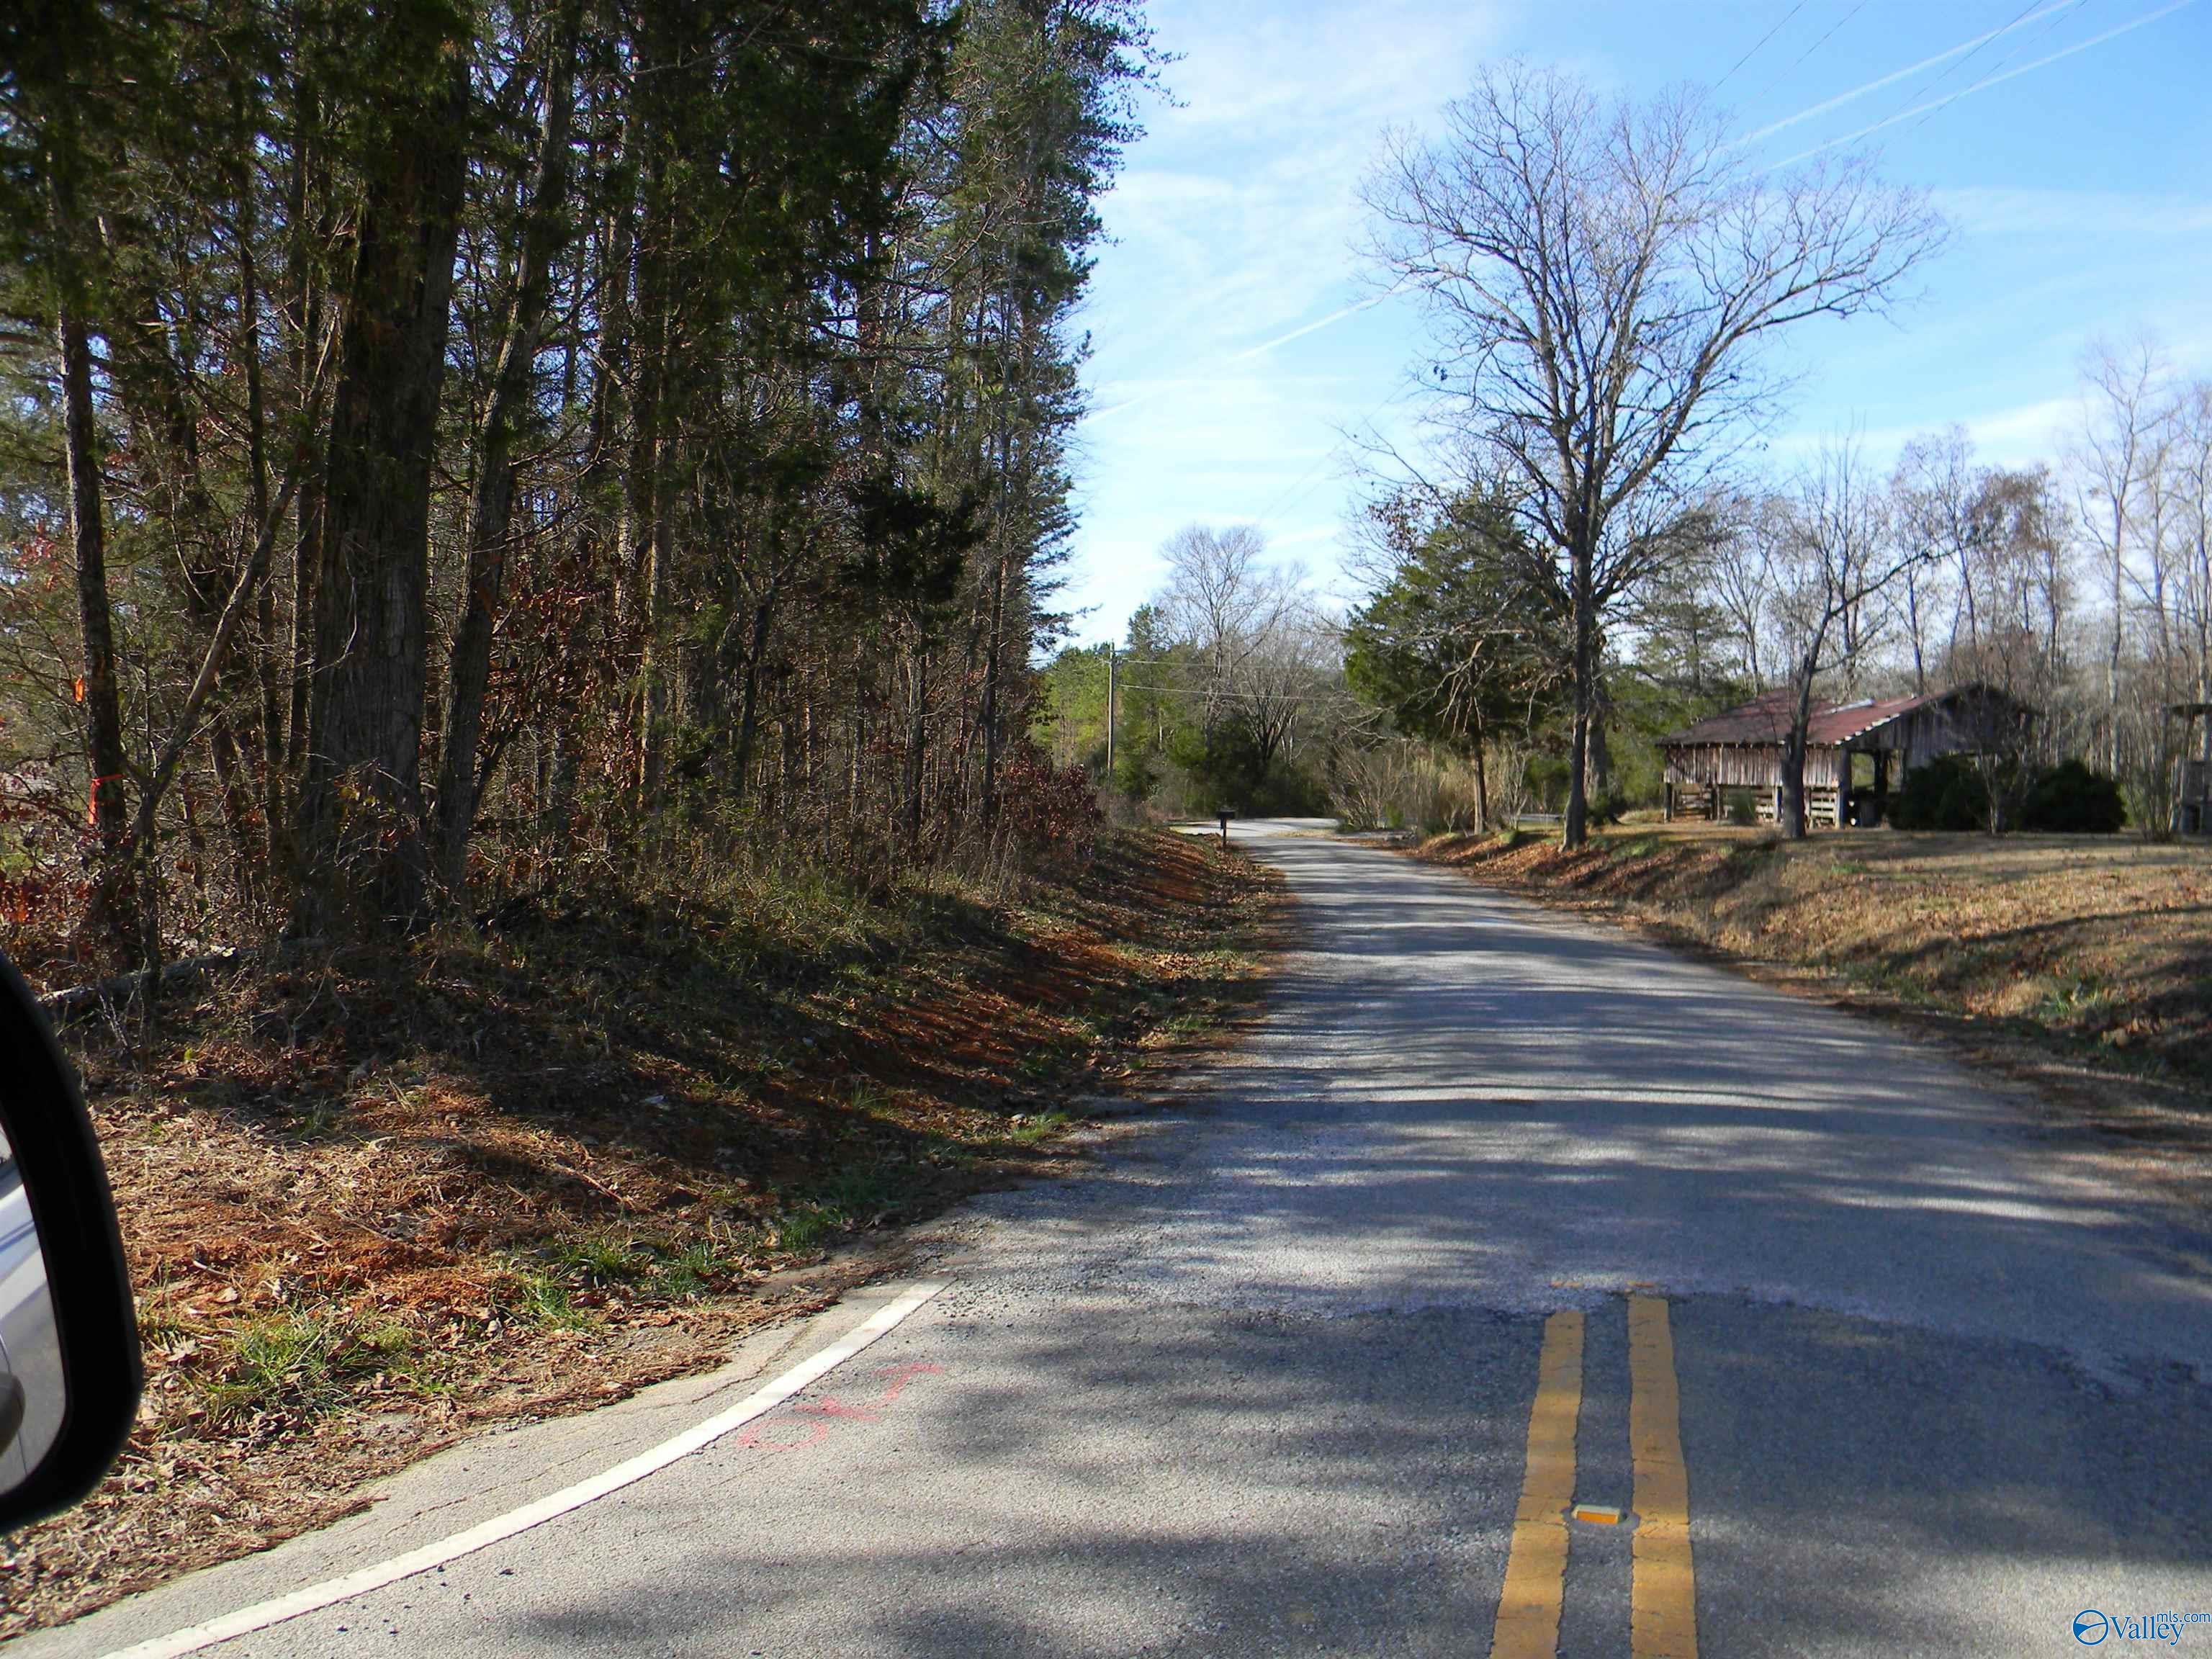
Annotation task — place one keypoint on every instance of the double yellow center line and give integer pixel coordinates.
(1663, 1619)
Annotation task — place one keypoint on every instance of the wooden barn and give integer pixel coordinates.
(1856, 754)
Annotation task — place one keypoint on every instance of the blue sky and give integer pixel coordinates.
(2079, 191)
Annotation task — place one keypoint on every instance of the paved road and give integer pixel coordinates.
(1496, 1210)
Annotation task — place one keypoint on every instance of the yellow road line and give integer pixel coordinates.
(1536, 1566)
(1663, 1593)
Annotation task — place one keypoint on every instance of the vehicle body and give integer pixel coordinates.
(69, 1371)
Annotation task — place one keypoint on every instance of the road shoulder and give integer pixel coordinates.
(2083, 1095)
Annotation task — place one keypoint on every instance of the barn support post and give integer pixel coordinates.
(1843, 787)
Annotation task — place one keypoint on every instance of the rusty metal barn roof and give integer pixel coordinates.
(1766, 720)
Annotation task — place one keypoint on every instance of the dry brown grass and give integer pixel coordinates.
(2093, 953)
(372, 1205)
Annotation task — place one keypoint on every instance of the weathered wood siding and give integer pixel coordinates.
(1969, 721)
(1921, 735)
(1747, 766)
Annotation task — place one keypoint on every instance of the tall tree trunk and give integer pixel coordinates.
(994, 666)
(1480, 733)
(1014, 327)
(665, 67)
(234, 782)
(1793, 745)
(101, 700)
(1913, 622)
(916, 745)
(271, 718)
(307, 547)
(741, 763)
(359, 803)
(1792, 781)
(102, 707)
(659, 552)
(490, 512)
(1575, 831)
(2204, 611)
(2119, 615)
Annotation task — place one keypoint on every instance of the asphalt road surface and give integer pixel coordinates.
(1496, 1215)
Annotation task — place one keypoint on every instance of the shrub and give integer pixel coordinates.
(1052, 811)
(1224, 770)
(1945, 793)
(1546, 777)
(2073, 799)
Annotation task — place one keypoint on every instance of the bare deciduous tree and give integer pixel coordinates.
(1224, 600)
(1838, 555)
(2117, 463)
(1601, 278)
(1934, 485)
(1742, 574)
(2193, 450)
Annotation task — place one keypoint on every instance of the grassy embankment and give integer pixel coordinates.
(371, 1206)
(2080, 960)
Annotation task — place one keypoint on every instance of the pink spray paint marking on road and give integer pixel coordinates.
(827, 1412)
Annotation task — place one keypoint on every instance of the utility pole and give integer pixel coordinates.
(1110, 666)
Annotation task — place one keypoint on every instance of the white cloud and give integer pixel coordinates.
(1226, 315)
(2033, 432)
(1215, 398)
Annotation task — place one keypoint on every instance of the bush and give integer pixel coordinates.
(2073, 799)
(1052, 811)
(1222, 771)
(1546, 778)
(1945, 793)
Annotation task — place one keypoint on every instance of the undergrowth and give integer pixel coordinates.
(373, 1199)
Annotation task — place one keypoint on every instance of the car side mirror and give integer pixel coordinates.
(69, 1371)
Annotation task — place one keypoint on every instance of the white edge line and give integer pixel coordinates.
(262, 1614)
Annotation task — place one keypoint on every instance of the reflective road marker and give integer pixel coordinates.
(1536, 1566)
(1662, 1593)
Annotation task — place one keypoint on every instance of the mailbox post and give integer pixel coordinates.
(1223, 815)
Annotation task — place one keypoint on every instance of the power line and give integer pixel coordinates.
(1991, 80)
(1895, 76)
(2022, 45)
(1247, 696)
(1762, 41)
(1305, 482)
(1312, 474)
(1816, 46)
(2053, 12)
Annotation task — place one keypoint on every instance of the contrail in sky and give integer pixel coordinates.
(1894, 75)
(1991, 80)
(1250, 352)
(1131, 402)
(1267, 346)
